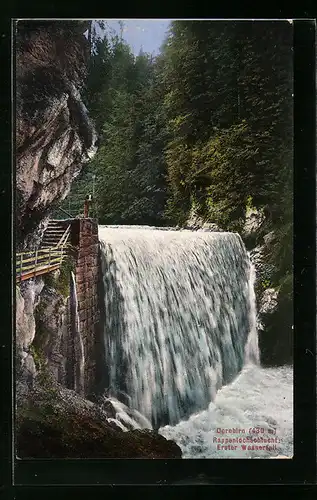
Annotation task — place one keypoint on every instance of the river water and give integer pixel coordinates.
(181, 344)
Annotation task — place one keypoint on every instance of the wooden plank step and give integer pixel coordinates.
(54, 233)
(58, 228)
(53, 236)
(47, 245)
(51, 241)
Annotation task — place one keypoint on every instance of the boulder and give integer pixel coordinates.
(54, 422)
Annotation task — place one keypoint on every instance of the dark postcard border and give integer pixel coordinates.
(6, 254)
(221, 471)
(305, 243)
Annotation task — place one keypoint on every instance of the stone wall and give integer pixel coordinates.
(86, 272)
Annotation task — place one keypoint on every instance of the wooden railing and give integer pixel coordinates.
(42, 261)
(64, 238)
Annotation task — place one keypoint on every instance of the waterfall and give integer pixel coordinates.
(180, 318)
(252, 353)
(78, 347)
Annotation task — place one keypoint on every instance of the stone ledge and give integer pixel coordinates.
(61, 424)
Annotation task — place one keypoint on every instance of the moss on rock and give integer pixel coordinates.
(54, 422)
(60, 280)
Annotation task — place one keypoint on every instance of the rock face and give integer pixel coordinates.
(54, 136)
(254, 221)
(274, 318)
(263, 269)
(52, 332)
(269, 301)
(41, 331)
(196, 223)
(58, 423)
(27, 298)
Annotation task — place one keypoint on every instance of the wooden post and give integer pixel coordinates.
(35, 262)
(21, 262)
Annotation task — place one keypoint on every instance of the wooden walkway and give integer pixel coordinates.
(42, 261)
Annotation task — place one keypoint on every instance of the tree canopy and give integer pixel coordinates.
(205, 125)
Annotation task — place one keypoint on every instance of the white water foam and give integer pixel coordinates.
(129, 418)
(259, 401)
(79, 353)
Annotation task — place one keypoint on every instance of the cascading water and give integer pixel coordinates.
(78, 347)
(180, 318)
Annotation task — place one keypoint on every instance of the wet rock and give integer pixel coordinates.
(253, 222)
(52, 330)
(268, 304)
(28, 372)
(33, 240)
(274, 318)
(158, 444)
(269, 301)
(210, 226)
(269, 238)
(276, 332)
(196, 223)
(263, 270)
(27, 298)
(54, 422)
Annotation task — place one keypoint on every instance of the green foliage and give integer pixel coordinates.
(123, 95)
(63, 281)
(223, 103)
(266, 284)
(60, 281)
(49, 280)
(46, 380)
(228, 112)
(207, 125)
(38, 357)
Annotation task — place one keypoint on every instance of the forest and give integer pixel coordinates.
(205, 127)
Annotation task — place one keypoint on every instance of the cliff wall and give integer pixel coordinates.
(54, 135)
